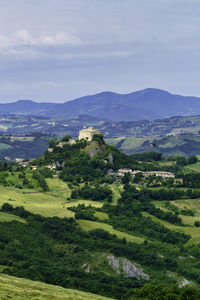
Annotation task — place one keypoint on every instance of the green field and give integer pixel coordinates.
(48, 204)
(24, 289)
(116, 189)
(90, 225)
(187, 229)
(186, 145)
(4, 217)
(39, 203)
(193, 168)
(191, 204)
(101, 216)
(4, 147)
(56, 203)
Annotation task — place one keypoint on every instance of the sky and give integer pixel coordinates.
(58, 50)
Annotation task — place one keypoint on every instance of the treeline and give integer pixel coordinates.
(41, 180)
(127, 216)
(161, 292)
(5, 166)
(147, 156)
(95, 193)
(163, 194)
(84, 212)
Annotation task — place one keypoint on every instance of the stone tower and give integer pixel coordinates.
(88, 133)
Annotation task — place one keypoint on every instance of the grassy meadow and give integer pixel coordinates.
(90, 225)
(56, 202)
(193, 168)
(5, 217)
(23, 289)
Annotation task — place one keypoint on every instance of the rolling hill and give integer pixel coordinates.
(147, 104)
(184, 144)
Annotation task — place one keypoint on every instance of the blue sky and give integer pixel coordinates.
(57, 50)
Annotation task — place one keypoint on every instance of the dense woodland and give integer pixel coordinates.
(53, 250)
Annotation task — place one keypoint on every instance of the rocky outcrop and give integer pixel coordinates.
(86, 268)
(94, 148)
(185, 282)
(126, 268)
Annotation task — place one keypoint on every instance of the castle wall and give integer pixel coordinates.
(87, 134)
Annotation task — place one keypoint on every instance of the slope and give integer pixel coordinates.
(19, 288)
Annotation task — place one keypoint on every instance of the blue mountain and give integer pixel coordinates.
(145, 104)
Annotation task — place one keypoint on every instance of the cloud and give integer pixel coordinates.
(61, 38)
(122, 45)
(22, 38)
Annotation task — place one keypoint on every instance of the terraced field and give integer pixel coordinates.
(195, 203)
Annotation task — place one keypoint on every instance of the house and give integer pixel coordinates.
(178, 181)
(24, 164)
(62, 144)
(159, 173)
(19, 160)
(122, 172)
(51, 167)
(162, 174)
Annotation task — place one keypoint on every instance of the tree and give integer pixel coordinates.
(52, 143)
(126, 178)
(181, 161)
(192, 160)
(197, 224)
(66, 138)
(138, 177)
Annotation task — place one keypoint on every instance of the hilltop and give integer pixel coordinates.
(147, 104)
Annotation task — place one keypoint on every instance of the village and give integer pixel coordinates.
(122, 172)
(88, 134)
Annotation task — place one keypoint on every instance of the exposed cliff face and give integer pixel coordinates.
(95, 148)
(126, 268)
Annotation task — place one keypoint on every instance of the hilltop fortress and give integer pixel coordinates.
(88, 133)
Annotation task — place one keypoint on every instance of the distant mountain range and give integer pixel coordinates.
(148, 104)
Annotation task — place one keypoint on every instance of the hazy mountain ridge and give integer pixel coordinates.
(146, 104)
(60, 126)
